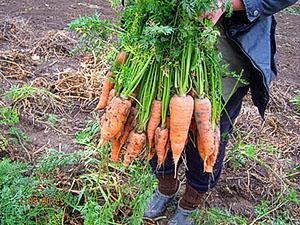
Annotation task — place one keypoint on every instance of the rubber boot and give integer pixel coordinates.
(167, 189)
(189, 202)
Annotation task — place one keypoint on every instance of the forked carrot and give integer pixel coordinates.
(181, 112)
(115, 150)
(168, 145)
(154, 121)
(136, 143)
(114, 119)
(213, 157)
(129, 125)
(151, 154)
(205, 137)
(161, 139)
(107, 86)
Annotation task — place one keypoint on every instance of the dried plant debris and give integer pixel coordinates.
(77, 85)
(16, 31)
(15, 64)
(54, 44)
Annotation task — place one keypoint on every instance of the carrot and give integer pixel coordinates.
(115, 150)
(181, 112)
(111, 95)
(122, 57)
(205, 138)
(136, 143)
(107, 86)
(114, 119)
(213, 157)
(151, 154)
(129, 125)
(161, 139)
(154, 121)
(168, 145)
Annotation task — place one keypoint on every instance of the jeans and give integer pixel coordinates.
(195, 176)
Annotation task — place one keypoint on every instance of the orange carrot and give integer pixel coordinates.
(106, 88)
(151, 154)
(129, 125)
(115, 150)
(213, 157)
(181, 112)
(205, 138)
(111, 95)
(161, 139)
(136, 143)
(114, 119)
(122, 57)
(168, 145)
(154, 121)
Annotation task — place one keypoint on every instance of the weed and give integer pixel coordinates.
(52, 119)
(274, 212)
(294, 10)
(8, 116)
(55, 159)
(93, 33)
(18, 136)
(214, 216)
(85, 136)
(17, 192)
(16, 93)
(240, 154)
(296, 99)
(3, 143)
(142, 185)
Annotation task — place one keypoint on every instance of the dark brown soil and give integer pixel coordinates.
(54, 14)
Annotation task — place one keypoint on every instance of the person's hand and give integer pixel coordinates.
(214, 16)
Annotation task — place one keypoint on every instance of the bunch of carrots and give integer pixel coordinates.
(164, 84)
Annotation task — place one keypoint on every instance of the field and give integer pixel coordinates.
(51, 170)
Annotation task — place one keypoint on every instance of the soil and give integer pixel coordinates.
(54, 14)
(42, 17)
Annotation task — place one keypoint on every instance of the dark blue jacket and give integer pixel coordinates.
(253, 32)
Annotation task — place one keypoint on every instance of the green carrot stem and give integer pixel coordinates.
(148, 95)
(165, 99)
(136, 80)
(160, 84)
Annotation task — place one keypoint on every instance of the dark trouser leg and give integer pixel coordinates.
(196, 178)
(167, 169)
(167, 184)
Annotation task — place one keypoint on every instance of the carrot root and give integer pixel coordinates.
(213, 157)
(154, 121)
(114, 118)
(107, 86)
(115, 150)
(205, 137)
(161, 139)
(136, 143)
(181, 111)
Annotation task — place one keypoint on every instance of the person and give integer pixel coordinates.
(247, 44)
